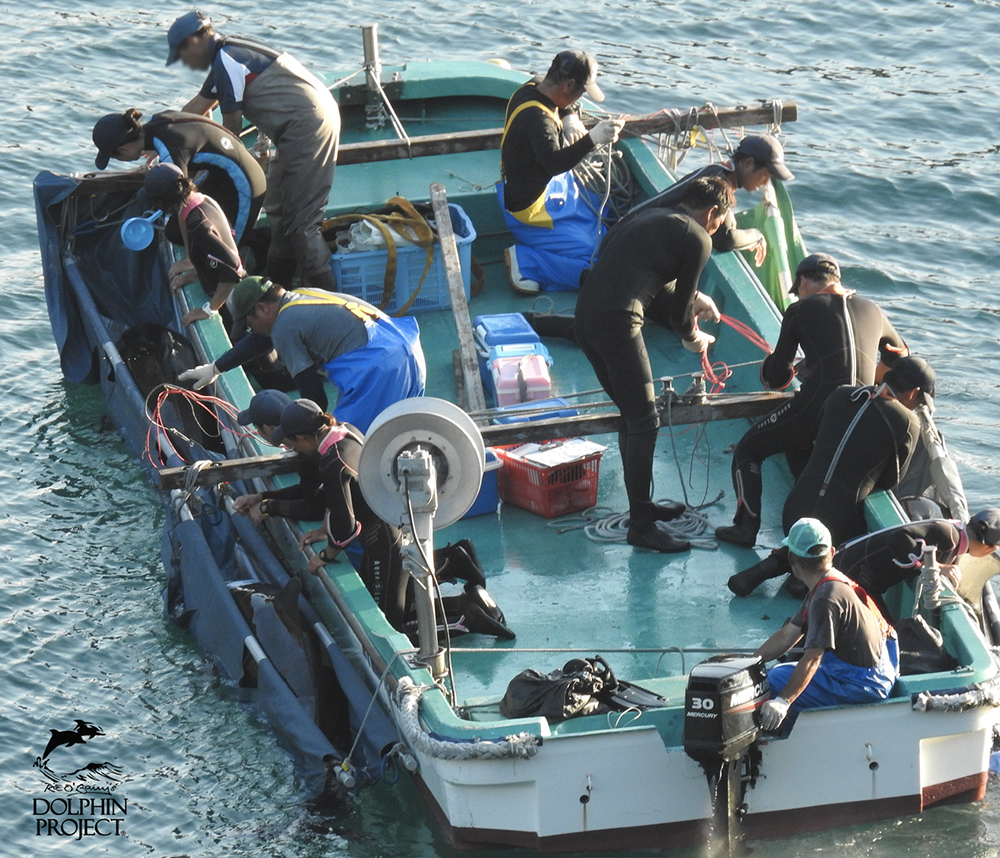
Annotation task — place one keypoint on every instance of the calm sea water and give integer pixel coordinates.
(896, 159)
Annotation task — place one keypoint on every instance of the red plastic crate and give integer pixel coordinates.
(549, 492)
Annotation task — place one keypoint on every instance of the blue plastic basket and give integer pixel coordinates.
(362, 274)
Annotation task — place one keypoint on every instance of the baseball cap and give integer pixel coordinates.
(808, 537)
(815, 263)
(265, 408)
(161, 181)
(578, 66)
(110, 132)
(910, 372)
(187, 25)
(767, 150)
(985, 526)
(245, 296)
(301, 417)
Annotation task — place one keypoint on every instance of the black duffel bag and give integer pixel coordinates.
(561, 694)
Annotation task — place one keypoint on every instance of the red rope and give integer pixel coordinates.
(718, 373)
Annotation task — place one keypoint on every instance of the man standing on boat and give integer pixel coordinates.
(372, 359)
(661, 251)
(555, 227)
(844, 337)
(851, 654)
(292, 107)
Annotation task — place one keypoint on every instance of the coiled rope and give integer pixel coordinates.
(603, 524)
(406, 703)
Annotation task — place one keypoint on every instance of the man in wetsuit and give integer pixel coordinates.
(543, 141)
(880, 560)
(843, 336)
(194, 144)
(865, 440)
(851, 654)
(371, 359)
(292, 107)
(662, 251)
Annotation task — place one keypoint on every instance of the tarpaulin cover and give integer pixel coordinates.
(129, 288)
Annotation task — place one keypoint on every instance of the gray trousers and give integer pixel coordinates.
(301, 117)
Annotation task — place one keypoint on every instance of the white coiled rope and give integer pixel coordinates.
(406, 702)
(603, 524)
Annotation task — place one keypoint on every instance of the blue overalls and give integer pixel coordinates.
(371, 378)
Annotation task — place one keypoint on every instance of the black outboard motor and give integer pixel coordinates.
(724, 695)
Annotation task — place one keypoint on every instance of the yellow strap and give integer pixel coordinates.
(314, 297)
(535, 214)
(409, 224)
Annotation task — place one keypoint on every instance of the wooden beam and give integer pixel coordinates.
(680, 413)
(231, 469)
(666, 122)
(472, 384)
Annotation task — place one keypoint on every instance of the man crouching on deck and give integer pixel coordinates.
(851, 654)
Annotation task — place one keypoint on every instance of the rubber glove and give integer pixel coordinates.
(772, 713)
(573, 128)
(606, 131)
(704, 309)
(699, 342)
(200, 376)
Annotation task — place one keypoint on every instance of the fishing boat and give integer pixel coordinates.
(353, 699)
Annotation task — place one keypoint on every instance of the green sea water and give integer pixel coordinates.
(896, 158)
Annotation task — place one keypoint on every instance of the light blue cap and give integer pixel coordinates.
(808, 537)
(185, 26)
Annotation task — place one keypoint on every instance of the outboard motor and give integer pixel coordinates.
(721, 724)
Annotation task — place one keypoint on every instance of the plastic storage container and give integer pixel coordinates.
(362, 274)
(521, 379)
(508, 350)
(500, 329)
(560, 408)
(549, 492)
(488, 498)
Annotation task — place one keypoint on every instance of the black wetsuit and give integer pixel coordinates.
(842, 337)
(874, 456)
(880, 560)
(214, 260)
(661, 251)
(194, 143)
(533, 149)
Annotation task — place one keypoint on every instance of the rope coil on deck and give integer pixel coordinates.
(406, 702)
(981, 694)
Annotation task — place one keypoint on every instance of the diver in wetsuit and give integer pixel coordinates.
(663, 251)
(880, 560)
(843, 336)
(865, 440)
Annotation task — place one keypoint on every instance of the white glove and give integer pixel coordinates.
(606, 131)
(200, 376)
(704, 309)
(699, 342)
(772, 713)
(573, 128)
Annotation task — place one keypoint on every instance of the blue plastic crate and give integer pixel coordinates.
(362, 274)
(488, 498)
(499, 329)
(566, 410)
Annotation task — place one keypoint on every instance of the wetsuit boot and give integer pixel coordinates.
(552, 325)
(745, 582)
(637, 456)
(667, 510)
(743, 530)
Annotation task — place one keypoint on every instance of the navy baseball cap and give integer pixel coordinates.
(578, 66)
(767, 150)
(184, 27)
(110, 133)
(815, 263)
(910, 372)
(161, 181)
(302, 417)
(985, 526)
(265, 408)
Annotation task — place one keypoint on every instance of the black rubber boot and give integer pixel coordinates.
(669, 510)
(745, 582)
(650, 536)
(552, 325)
(795, 587)
(743, 530)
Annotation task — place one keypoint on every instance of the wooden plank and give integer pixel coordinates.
(232, 469)
(681, 413)
(666, 122)
(474, 396)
